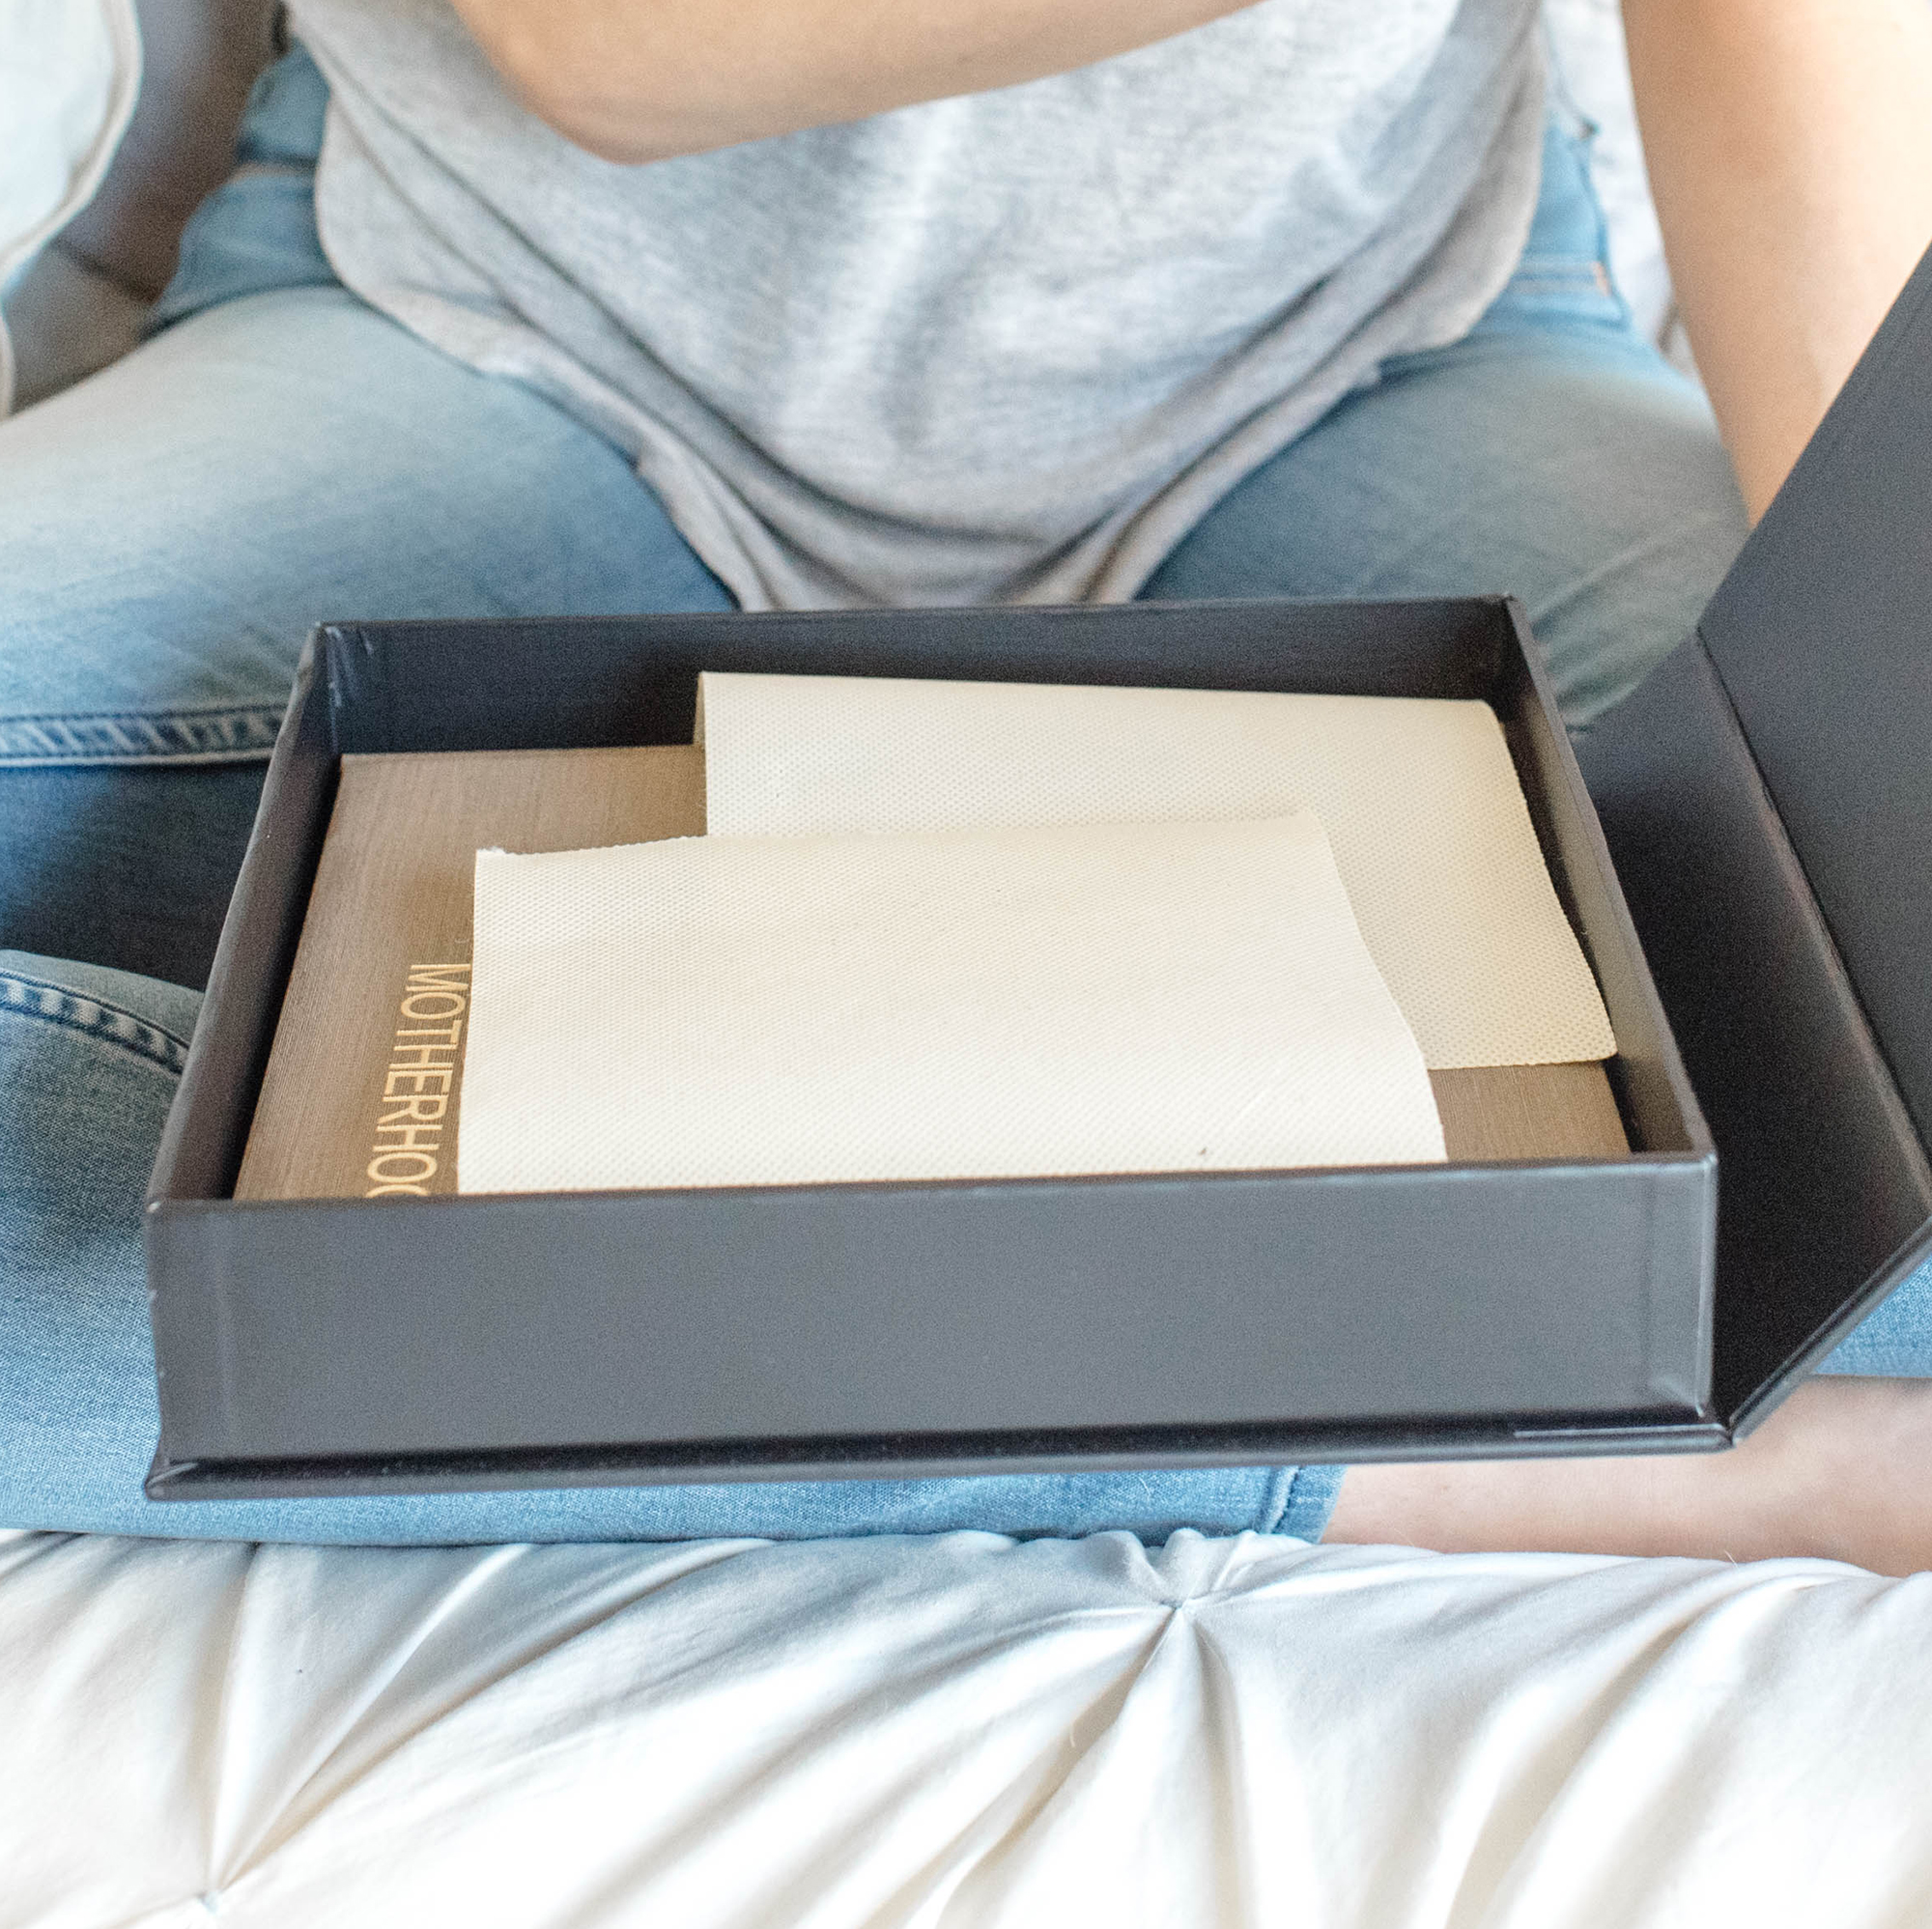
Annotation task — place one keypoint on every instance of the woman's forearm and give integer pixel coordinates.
(1790, 151)
(638, 80)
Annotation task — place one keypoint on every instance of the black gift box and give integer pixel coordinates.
(1766, 797)
(317, 1345)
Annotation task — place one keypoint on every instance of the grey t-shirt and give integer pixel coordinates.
(1008, 346)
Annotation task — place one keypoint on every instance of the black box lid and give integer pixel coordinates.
(1783, 886)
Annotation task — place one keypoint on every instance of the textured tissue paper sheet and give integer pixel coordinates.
(1418, 795)
(990, 1002)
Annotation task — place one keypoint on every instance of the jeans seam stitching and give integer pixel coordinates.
(68, 1017)
(61, 737)
(266, 707)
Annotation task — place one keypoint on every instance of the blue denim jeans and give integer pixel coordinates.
(279, 454)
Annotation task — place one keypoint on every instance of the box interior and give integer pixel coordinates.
(387, 935)
(601, 684)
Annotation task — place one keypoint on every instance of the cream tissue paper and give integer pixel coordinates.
(976, 1002)
(1418, 795)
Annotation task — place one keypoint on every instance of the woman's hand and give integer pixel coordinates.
(1790, 152)
(638, 80)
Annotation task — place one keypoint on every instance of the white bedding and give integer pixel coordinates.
(958, 1730)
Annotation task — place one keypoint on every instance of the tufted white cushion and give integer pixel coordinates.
(959, 1730)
